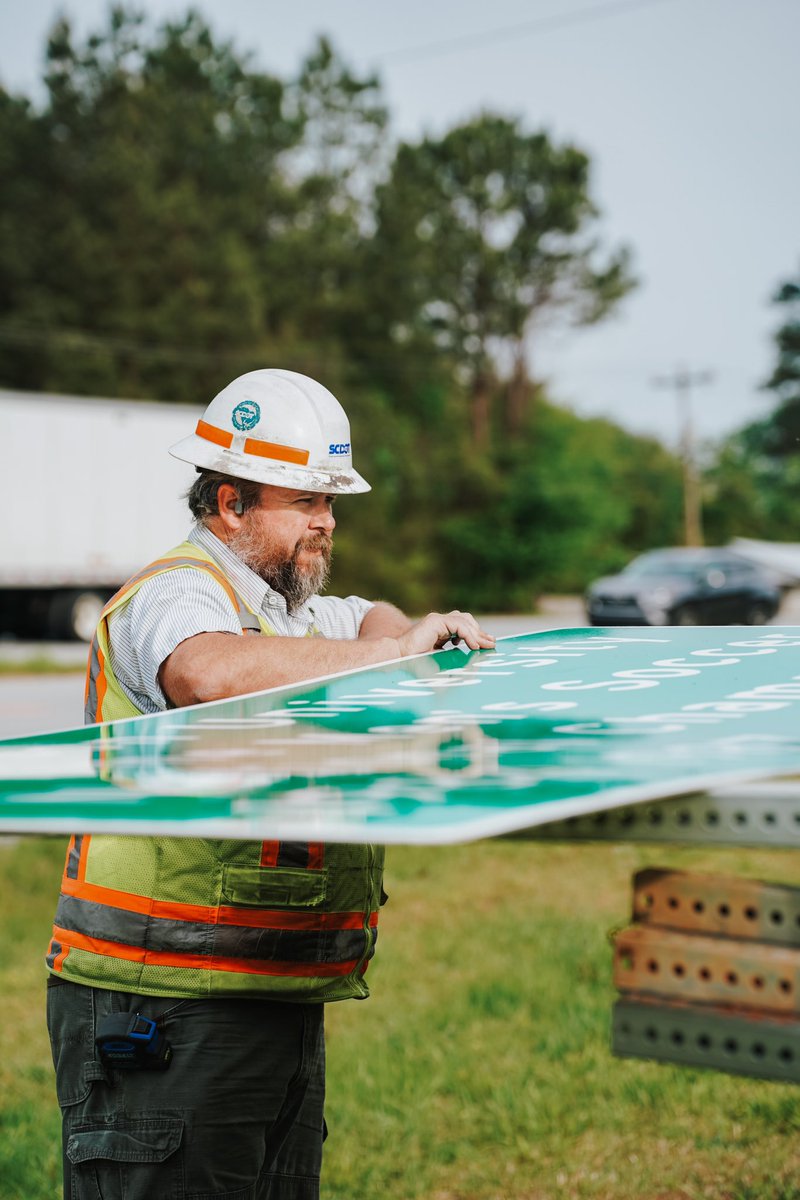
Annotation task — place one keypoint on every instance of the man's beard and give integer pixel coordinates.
(283, 572)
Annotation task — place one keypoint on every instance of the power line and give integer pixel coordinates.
(466, 41)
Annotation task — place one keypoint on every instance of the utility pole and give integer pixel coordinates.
(681, 382)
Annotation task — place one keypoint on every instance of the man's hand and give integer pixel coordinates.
(433, 631)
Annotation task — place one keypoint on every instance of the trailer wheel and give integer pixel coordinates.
(74, 615)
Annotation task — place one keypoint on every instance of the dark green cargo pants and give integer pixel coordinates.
(236, 1116)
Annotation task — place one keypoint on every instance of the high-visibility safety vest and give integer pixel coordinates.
(192, 917)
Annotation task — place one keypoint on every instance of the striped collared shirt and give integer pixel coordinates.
(176, 605)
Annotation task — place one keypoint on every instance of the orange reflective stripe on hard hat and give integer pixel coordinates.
(221, 437)
(288, 454)
(212, 434)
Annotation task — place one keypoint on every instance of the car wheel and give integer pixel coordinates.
(685, 615)
(74, 615)
(757, 614)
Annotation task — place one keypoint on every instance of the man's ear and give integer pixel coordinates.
(230, 507)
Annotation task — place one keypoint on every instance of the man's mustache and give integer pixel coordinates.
(316, 541)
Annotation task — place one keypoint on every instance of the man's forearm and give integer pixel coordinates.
(212, 666)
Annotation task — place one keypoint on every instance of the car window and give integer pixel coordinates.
(662, 565)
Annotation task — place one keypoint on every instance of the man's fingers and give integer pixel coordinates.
(438, 629)
(463, 625)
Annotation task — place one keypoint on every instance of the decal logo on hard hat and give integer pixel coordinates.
(339, 448)
(246, 415)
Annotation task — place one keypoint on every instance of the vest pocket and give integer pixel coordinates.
(133, 1158)
(274, 887)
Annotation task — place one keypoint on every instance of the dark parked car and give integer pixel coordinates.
(685, 586)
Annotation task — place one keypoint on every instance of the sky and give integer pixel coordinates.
(687, 108)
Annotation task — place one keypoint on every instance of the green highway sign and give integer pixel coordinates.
(441, 748)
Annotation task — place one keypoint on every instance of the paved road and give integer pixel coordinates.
(41, 703)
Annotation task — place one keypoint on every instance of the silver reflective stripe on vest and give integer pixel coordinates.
(164, 934)
(74, 857)
(90, 711)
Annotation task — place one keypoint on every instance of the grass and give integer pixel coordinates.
(480, 1068)
(41, 665)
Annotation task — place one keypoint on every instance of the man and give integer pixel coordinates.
(228, 948)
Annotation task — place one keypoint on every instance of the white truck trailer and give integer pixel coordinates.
(92, 495)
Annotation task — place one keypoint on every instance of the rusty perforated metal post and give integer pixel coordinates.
(709, 974)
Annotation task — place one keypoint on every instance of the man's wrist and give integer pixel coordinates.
(392, 647)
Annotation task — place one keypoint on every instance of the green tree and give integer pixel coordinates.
(781, 432)
(753, 485)
(160, 161)
(568, 500)
(482, 235)
(316, 251)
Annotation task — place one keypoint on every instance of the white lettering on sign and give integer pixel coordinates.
(786, 691)
(509, 707)
(656, 672)
(778, 640)
(735, 707)
(447, 679)
(613, 685)
(683, 662)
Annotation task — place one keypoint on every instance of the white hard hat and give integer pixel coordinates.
(276, 427)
